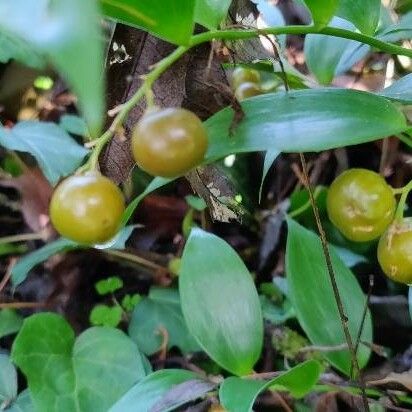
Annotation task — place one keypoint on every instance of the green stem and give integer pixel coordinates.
(402, 201)
(229, 34)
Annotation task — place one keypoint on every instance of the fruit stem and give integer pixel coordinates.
(402, 201)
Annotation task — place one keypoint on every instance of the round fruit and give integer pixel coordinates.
(87, 208)
(360, 204)
(169, 142)
(246, 90)
(395, 251)
(241, 75)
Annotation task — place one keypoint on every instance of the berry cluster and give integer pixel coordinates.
(362, 206)
(88, 207)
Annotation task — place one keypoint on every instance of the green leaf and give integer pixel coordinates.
(74, 124)
(87, 374)
(109, 285)
(28, 262)
(276, 314)
(172, 20)
(401, 90)
(270, 157)
(161, 309)
(364, 15)
(322, 10)
(23, 403)
(8, 380)
(56, 152)
(210, 13)
(196, 202)
(239, 395)
(304, 121)
(10, 322)
(69, 34)
(313, 299)
(143, 396)
(103, 315)
(129, 302)
(215, 286)
(14, 48)
(323, 54)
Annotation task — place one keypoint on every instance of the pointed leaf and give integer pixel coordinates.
(87, 374)
(304, 121)
(239, 395)
(8, 380)
(313, 299)
(215, 286)
(171, 20)
(10, 322)
(401, 90)
(322, 10)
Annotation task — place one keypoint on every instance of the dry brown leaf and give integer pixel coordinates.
(404, 379)
(35, 192)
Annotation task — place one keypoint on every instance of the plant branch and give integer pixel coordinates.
(229, 34)
(343, 318)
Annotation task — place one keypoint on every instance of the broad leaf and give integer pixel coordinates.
(150, 390)
(304, 120)
(8, 380)
(171, 20)
(363, 14)
(10, 322)
(68, 33)
(401, 90)
(324, 54)
(313, 299)
(322, 10)
(87, 374)
(215, 286)
(56, 152)
(239, 395)
(210, 13)
(270, 157)
(161, 309)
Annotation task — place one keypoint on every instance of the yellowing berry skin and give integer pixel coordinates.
(360, 204)
(395, 251)
(242, 75)
(246, 90)
(169, 142)
(87, 208)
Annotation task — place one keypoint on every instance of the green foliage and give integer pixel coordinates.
(74, 124)
(87, 374)
(315, 306)
(171, 20)
(45, 141)
(144, 396)
(103, 315)
(129, 302)
(239, 395)
(210, 13)
(324, 54)
(322, 10)
(214, 293)
(160, 310)
(10, 322)
(363, 14)
(196, 202)
(8, 380)
(109, 285)
(400, 90)
(68, 34)
(330, 118)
